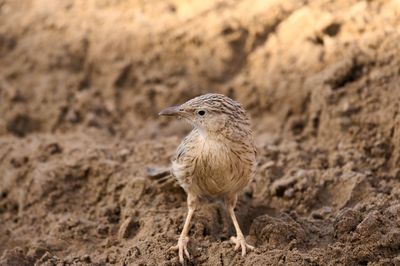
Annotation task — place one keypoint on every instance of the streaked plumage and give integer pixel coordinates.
(216, 159)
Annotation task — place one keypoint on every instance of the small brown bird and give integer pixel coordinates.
(217, 159)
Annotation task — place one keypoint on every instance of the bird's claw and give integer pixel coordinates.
(240, 242)
(182, 249)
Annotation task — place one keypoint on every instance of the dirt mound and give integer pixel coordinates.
(81, 83)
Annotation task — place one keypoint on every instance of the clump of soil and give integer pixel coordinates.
(81, 146)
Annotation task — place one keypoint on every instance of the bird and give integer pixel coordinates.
(217, 159)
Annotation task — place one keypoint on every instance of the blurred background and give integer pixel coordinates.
(82, 81)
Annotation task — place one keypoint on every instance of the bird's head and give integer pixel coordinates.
(211, 113)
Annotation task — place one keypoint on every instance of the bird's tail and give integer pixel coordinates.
(162, 176)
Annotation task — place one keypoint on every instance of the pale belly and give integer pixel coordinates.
(214, 170)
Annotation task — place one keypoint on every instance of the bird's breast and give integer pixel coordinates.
(217, 167)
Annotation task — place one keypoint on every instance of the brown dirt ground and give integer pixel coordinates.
(81, 82)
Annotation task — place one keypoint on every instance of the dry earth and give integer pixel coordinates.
(81, 82)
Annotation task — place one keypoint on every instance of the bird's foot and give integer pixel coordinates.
(240, 242)
(182, 248)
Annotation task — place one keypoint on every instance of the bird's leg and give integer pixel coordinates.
(239, 240)
(192, 202)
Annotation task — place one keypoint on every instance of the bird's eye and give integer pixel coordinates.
(201, 112)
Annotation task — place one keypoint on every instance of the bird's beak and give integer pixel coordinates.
(171, 111)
